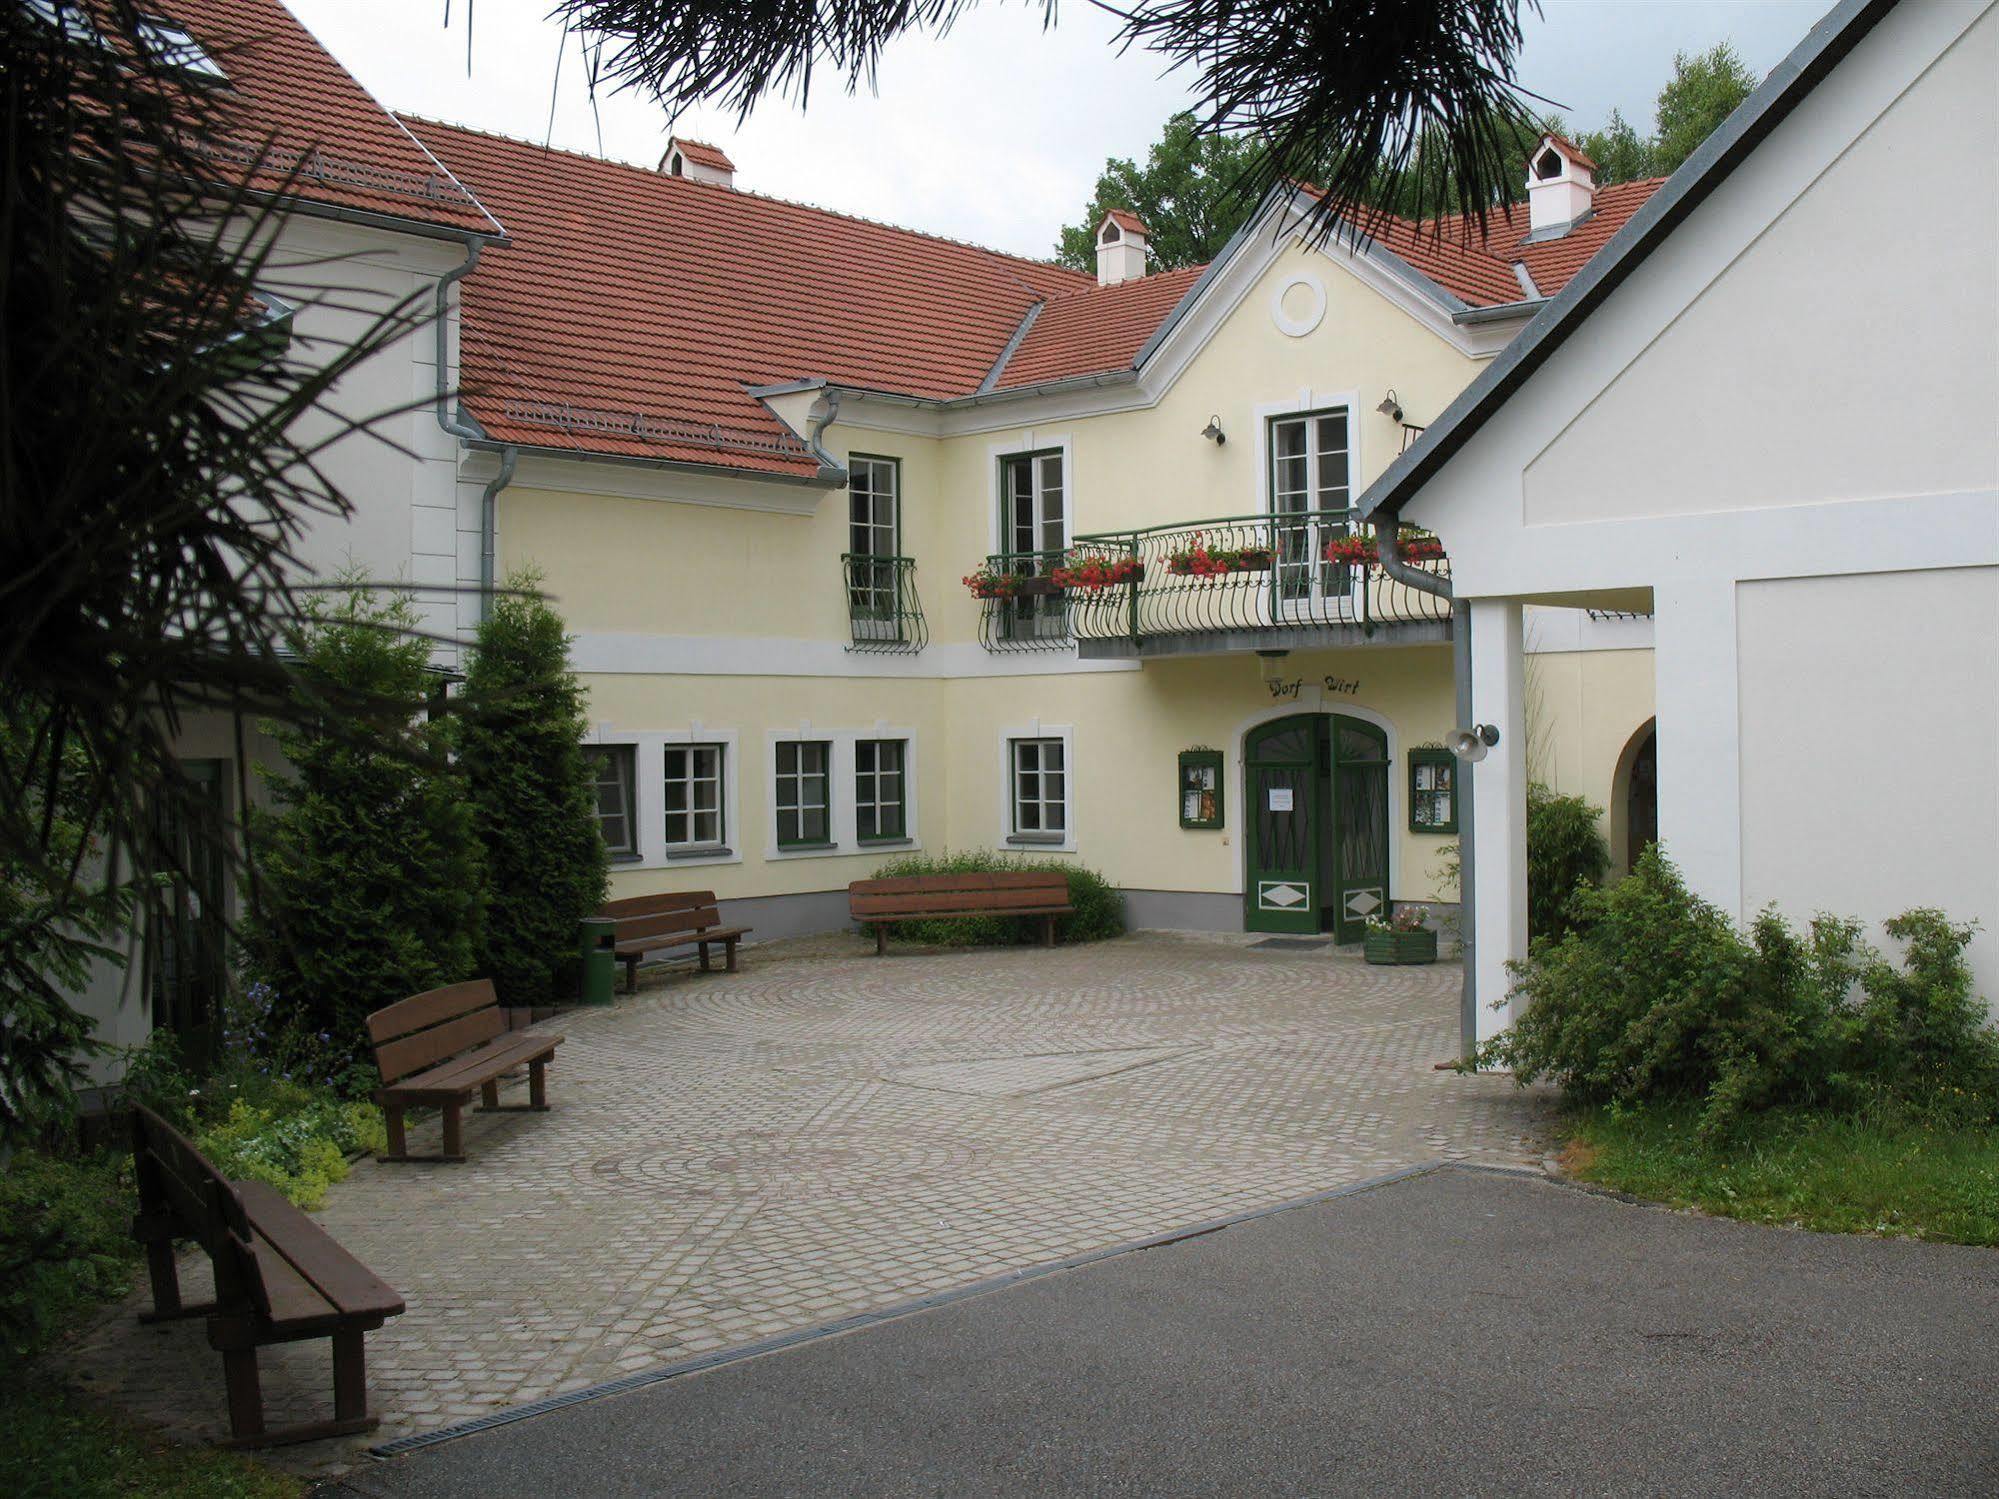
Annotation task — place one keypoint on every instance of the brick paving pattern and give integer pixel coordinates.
(826, 1133)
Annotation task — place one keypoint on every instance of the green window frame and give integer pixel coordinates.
(881, 795)
(1433, 791)
(1202, 798)
(803, 793)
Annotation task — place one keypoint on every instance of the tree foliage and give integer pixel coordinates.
(534, 800)
(1342, 95)
(1704, 90)
(1188, 191)
(365, 883)
(1565, 850)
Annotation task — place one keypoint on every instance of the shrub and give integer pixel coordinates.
(298, 1144)
(65, 1241)
(534, 801)
(365, 883)
(1099, 907)
(1564, 850)
(1653, 994)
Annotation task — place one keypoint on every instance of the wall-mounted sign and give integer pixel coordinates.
(1339, 686)
(1200, 788)
(1281, 798)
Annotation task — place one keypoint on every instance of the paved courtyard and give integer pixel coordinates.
(828, 1133)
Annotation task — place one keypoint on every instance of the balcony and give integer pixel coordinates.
(1302, 580)
(884, 615)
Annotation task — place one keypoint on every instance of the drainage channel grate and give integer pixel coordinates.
(1290, 944)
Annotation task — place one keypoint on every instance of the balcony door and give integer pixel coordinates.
(1033, 534)
(874, 513)
(1311, 472)
(1317, 852)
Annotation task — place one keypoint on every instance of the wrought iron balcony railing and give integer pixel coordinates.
(1239, 577)
(883, 612)
(1023, 605)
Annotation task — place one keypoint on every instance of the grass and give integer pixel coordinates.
(1834, 1173)
(58, 1447)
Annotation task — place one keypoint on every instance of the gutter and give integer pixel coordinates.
(467, 432)
(824, 479)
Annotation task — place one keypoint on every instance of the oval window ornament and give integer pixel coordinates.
(1299, 304)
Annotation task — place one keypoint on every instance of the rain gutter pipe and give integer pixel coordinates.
(467, 432)
(1387, 548)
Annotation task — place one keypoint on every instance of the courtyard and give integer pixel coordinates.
(827, 1134)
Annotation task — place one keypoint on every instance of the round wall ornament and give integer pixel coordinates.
(1299, 304)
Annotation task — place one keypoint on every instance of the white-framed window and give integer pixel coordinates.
(615, 768)
(1038, 792)
(880, 793)
(1311, 492)
(874, 498)
(1034, 502)
(692, 785)
(803, 793)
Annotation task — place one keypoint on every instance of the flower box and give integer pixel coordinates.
(1096, 574)
(1385, 947)
(1033, 588)
(1202, 563)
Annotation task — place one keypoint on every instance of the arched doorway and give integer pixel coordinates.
(1316, 859)
(1635, 798)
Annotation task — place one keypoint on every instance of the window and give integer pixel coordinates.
(1033, 534)
(1310, 469)
(694, 796)
(173, 47)
(613, 765)
(879, 804)
(1433, 791)
(801, 799)
(874, 500)
(1040, 790)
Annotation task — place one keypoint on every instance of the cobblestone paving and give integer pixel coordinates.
(827, 1132)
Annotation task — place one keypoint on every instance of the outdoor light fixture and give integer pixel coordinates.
(1213, 431)
(1470, 745)
(1391, 406)
(1266, 664)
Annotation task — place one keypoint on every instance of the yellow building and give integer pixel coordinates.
(767, 459)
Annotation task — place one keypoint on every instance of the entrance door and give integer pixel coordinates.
(1358, 828)
(1032, 529)
(1317, 859)
(1282, 763)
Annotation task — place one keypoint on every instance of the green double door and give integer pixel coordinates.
(1317, 789)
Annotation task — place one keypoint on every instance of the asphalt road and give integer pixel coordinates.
(1456, 1333)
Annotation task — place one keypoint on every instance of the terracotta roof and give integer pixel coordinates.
(287, 91)
(1476, 265)
(633, 310)
(1095, 331)
(1124, 219)
(701, 153)
(1575, 153)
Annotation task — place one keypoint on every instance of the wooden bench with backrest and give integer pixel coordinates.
(441, 1047)
(930, 897)
(279, 1278)
(649, 924)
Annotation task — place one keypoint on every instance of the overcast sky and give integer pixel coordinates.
(995, 134)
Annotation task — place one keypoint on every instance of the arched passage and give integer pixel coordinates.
(1634, 797)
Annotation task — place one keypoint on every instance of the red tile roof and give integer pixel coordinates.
(701, 153)
(632, 310)
(1124, 219)
(286, 89)
(1095, 331)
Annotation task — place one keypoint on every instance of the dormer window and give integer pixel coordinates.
(1549, 165)
(676, 165)
(174, 47)
(1111, 236)
(70, 16)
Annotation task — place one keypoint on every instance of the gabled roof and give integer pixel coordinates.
(298, 111)
(1790, 82)
(703, 155)
(1125, 219)
(633, 311)
(1096, 331)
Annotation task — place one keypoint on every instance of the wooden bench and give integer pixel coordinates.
(279, 1278)
(652, 923)
(931, 897)
(441, 1047)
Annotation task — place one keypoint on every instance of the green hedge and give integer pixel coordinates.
(1099, 907)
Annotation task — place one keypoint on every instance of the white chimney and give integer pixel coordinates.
(704, 163)
(1561, 187)
(1120, 247)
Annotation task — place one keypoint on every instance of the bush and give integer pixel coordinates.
(65, 1241)
(1655, 995)
(295, 1142)
(365, 884)
(1099, 908)
(1564, 850)
(534, 800)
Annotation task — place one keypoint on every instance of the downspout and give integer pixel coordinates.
(1387, 544)
(489, 500)
(825, 411)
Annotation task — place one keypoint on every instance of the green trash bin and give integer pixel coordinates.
(596, 939)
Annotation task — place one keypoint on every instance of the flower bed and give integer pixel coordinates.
(1400, 938)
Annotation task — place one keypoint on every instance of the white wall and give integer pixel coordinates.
(1881, 793)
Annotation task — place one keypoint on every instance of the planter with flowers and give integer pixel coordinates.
(1093, 573)
(989, 582)
(1400, 938)
(1199, 560)
(1356, 550)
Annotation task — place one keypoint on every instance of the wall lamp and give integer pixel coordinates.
(1391, 406)
(1213, 431)
(1471, 744)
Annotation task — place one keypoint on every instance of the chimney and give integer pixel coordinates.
(704, 163)
(1561, 187)
(1120, 247)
